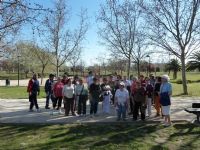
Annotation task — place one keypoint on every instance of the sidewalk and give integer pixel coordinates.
(16, 111)
(23, 82)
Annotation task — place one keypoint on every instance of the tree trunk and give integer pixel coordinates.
(129, 67)
(138, 67)
(42, 74)
(174, 75)
(184, 75)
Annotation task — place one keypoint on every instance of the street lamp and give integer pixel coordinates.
(18, 68)
(148, 70)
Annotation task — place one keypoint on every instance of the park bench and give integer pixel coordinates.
(195, 110)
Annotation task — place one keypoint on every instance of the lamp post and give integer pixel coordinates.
(18, 69)
(148, 70)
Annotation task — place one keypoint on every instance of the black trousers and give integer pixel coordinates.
(131, 105)
(57, 100)
(138, 106)
(93, 106)
(68, 105)
(82, 104)
(33, 101)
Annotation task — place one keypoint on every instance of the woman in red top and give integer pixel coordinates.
(57, 90)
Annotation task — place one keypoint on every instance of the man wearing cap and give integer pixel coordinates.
(48, 90)
(121, 101)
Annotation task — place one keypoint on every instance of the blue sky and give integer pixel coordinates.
(91, 46)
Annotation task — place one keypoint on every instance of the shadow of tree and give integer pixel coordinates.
(100, 136)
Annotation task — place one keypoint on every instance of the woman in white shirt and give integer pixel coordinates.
(68, 93)
(121, 101)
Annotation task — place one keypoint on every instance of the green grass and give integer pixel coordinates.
(193, 89)
(142, 136)
(15, 92)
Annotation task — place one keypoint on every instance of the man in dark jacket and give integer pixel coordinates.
(33, 89)
(95, 92)
(48, 90)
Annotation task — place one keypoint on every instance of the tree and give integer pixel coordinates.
(120, 22)
(194, 62)
(13, 14)
(117, 65)
(63, 42)
(141, 50)
(74, 59)
(43, 57)
(174, 26)
(174, 66)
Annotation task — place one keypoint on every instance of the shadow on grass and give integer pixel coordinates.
(188, 134)
(100, 135)
(104, 136)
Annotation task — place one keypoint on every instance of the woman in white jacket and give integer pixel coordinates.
(68, 93)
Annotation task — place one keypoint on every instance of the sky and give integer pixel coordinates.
(91, 46)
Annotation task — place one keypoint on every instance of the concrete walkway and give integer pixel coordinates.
(16, 111)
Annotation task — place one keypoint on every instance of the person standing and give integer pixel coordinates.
(165, 99)
(95, 92)
(149, 94)
(121, 101)
(105, 83)
(111, 83)
(69, 96)
(107, 95)
(33, 89)
(139, 101)
(57, 91)
(64, 79)
(89, 79)
(157, 96)
(49, 90)
(133, 88)
(81, 95)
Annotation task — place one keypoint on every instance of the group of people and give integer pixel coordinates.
(134, 96)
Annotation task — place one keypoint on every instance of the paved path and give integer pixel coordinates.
(23, 82)
(16, 111)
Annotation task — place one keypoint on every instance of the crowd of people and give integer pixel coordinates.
(134, 96)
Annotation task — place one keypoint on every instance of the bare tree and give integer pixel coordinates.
(174, 26)
(141, 50)
(43, 58)
(63, 42)
(76, 56)
(13, 14)
(120, 23)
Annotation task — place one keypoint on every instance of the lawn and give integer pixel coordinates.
(15, 92)
(193, 89)
(142, 136)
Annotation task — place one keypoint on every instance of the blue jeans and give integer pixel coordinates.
(121, 111)
(49, 96)
(93, 106)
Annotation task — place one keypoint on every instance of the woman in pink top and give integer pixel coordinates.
(57, 90)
